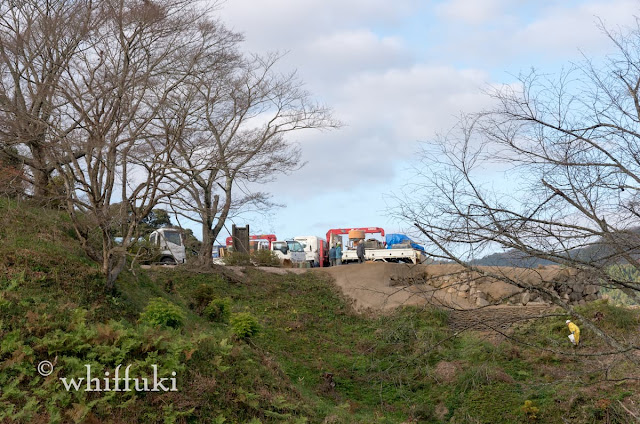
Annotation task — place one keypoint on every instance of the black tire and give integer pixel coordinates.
(167, 260)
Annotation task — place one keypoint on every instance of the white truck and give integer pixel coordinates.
(375, 250)
(315, 249)
(289, 250)
(408, 255)
(171, 245)
(286, 250)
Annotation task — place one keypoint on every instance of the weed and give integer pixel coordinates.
(202, 296)
(381, 366)
(530, 411)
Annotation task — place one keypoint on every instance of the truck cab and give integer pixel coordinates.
(315, 250)
(171, 244)
(290, 250)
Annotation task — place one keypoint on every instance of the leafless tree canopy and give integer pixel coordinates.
(37, 42)
(118, 105)
(239, 115)
(568, 147)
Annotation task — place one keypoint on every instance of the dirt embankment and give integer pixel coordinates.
(384, 286)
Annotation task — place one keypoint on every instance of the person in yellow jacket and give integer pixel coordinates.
(575, 330)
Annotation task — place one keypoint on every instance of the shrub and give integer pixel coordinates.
(218, 310)
(11, 174)
(160, 311)
(236, 258)
(265, 258)
(244, 325)
(202, 296)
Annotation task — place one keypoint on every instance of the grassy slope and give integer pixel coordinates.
(314, 359)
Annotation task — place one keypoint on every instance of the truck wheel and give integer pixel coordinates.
(167, 260)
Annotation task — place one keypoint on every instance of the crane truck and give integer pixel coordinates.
(375, 250)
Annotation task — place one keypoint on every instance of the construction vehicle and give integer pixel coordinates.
(289, 251)
(171, 244)
(375, 250)
(315, 249)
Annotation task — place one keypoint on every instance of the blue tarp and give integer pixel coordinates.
(392, 239)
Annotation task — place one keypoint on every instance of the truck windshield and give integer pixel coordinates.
(294, 246)
(279, 245)
(173, 237)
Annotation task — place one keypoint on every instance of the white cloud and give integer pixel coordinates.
(471, 11)
(516, 35)
(391, 88)
(283, 24)
(564, 31)
(412, 102)
(385, 114)
(337, 55)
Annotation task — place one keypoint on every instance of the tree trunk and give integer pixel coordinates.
(40, 184)
(205, 256)
(112, 274)
(113, 261)
(40, 173)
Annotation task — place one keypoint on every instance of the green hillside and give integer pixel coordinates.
(310, 359)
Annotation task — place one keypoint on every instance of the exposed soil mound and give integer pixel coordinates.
(381, 285)
(384, 286)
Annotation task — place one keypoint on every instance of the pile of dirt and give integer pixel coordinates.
(385, 286)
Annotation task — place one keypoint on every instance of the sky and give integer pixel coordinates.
(395, 74)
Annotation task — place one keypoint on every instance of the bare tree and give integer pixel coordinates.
(117, 91)
(569, 147)
(244, 112)
(37, 41)
(109, 94)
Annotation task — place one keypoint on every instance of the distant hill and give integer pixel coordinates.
(599, 251)
(512, 258)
